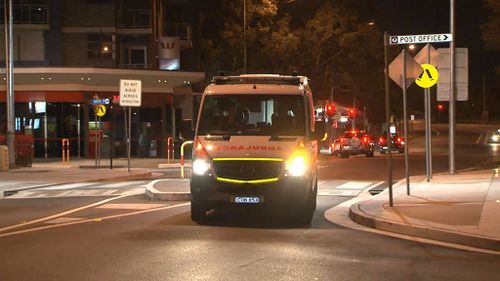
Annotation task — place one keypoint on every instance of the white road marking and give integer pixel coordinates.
(91, 220)
(109, 192)
(68, 186)
(130, 206)
(63, 220)
(120, 184)
(321, 182)
(479, 138)
(354, 185)
(3, 229)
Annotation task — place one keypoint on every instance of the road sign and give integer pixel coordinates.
(130, 93)
(423, 56)
(413, 70)
(100, 110)
(429, 76)
(421, 38)
(99, 101)
(461, 74)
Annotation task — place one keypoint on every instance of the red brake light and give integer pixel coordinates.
(381, 140)
(365, 139)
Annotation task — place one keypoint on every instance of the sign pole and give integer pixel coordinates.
(405, 121)
(95, 135)
(387, 118)
(452, 93)
(129, 133)
(428, 127)
(112, 137)
(99, 143)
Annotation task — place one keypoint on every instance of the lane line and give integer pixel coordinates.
(92, 220)
(479, 138)
(137, 206)
(3, 229)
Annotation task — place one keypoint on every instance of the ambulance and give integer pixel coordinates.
(255, 145)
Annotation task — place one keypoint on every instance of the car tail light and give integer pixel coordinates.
(365, 139)
(381, 140)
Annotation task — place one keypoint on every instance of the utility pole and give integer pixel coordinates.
(9, 65)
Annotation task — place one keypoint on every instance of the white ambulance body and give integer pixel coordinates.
(255, 145)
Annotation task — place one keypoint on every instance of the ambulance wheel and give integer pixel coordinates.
(198, 212)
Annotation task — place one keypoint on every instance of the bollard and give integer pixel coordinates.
(182, 156)
(170, 147)
(65, 151)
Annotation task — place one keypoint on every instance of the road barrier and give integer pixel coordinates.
(65, 151)
(182, 156)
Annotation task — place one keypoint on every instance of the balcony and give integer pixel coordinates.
(28, 14)
(134, 18)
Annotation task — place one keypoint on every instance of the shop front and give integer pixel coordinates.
(61, 110)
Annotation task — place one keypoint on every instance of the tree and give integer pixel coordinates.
(491, 28)
(322, 40)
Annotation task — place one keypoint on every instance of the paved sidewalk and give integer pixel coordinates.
(46, 172)
(462, 209)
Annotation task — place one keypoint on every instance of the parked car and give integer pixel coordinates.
(352, 143)
(397, 144)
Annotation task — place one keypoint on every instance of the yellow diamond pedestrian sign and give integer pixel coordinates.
(100, 110)
(429, 76)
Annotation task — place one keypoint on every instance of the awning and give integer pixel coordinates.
(97, 79)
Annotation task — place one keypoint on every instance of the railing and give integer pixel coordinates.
(181, 30)
(134, 18)
(28, 14)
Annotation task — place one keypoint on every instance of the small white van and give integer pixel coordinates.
(255, 144)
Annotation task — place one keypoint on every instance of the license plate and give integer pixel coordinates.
(247, 200)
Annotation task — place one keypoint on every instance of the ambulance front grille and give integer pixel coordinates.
(247, 169)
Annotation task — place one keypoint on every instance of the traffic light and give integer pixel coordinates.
(440, 107)
(352, 113)
(330, 109)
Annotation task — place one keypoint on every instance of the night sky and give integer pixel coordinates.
(401, 17)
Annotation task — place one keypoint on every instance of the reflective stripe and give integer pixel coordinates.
(247, 181)
(249, 159)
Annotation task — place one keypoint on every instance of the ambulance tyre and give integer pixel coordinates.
(198, 212)
(305, 215)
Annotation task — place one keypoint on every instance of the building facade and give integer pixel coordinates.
(68, 53)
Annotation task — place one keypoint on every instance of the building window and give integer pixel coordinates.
(99, 46)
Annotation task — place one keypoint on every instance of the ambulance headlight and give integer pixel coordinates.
(296, 166)
(200, 166)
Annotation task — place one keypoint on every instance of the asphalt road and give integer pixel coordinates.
(132, 238)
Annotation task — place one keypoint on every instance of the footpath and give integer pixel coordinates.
(462, 209)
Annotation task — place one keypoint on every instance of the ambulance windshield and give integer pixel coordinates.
(272, 115)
